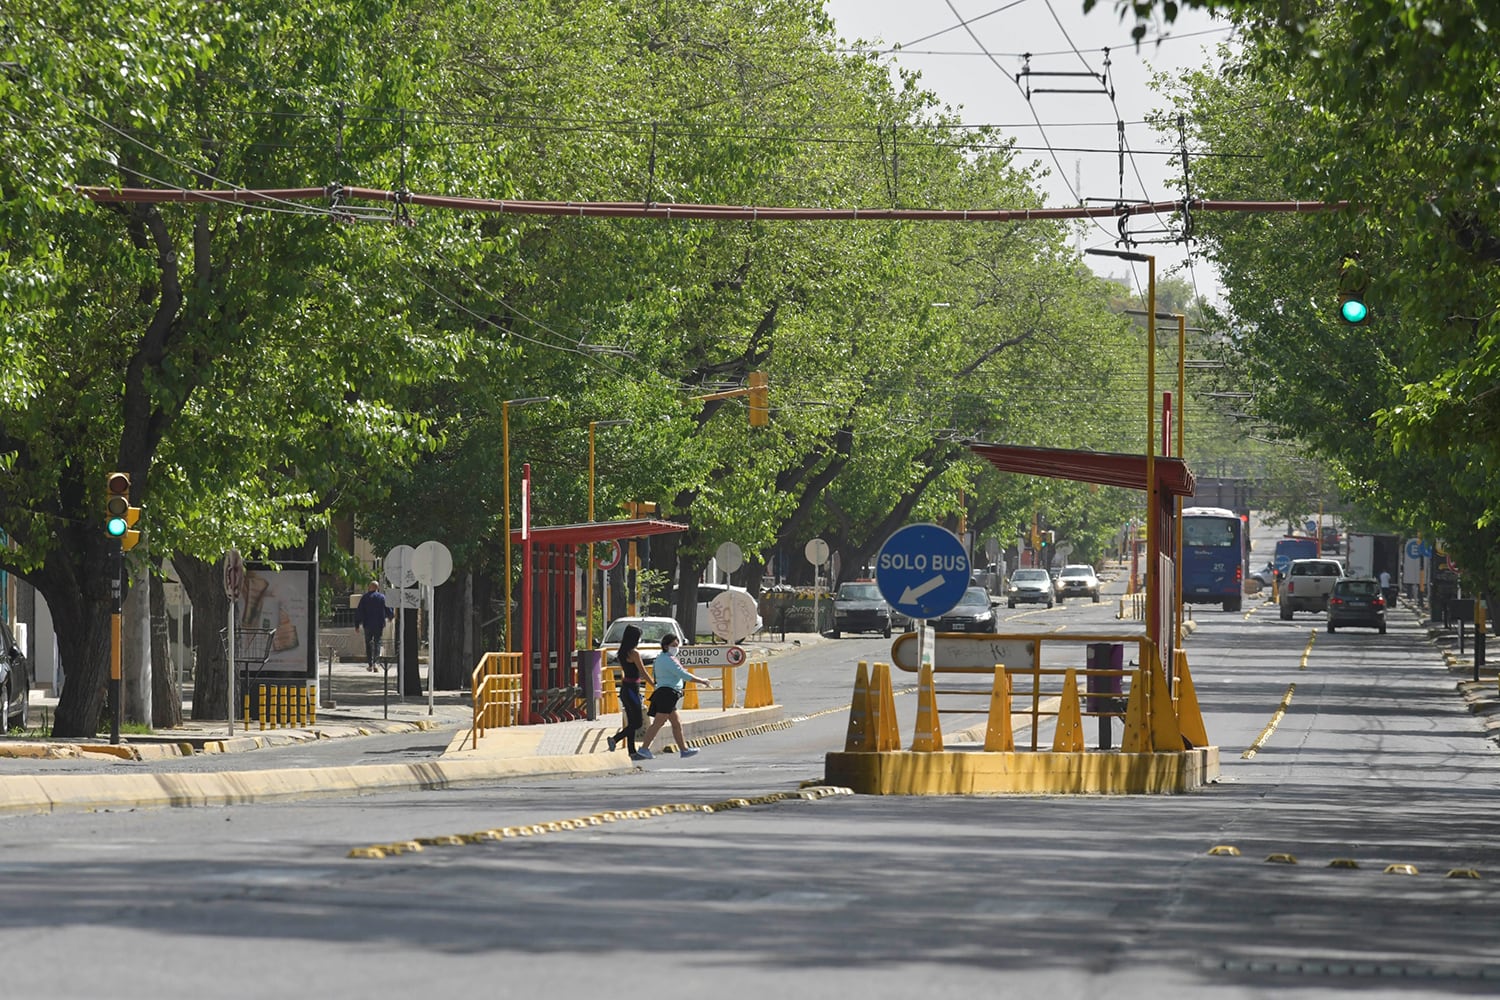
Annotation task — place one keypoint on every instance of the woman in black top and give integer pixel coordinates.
(634, 672)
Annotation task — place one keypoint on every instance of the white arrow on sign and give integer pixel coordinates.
(913, 594)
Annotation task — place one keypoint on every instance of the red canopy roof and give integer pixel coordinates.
(1105, 468)
(597, 531)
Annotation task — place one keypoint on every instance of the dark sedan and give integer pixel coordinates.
(1357, 602)
(972, 613)
(15, 680)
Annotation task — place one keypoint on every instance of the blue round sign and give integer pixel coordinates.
(922, 571)
(1283, 562)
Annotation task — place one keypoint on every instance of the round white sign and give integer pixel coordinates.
(400, 567)
(816, 551)
(729, 557)
(432, 564)
(732, 615)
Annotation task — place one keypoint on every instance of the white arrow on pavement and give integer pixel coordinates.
(914, 593)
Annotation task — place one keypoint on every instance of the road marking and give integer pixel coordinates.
(1308, 651)
(1265, 733)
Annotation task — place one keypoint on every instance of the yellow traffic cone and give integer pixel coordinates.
(1165, 736)
(857, 738)
(890, 735)
(997, 732)
(1069, 735)
(1134, 740)
(929, 735)
(1189, 715)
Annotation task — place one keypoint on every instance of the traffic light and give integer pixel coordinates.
(760, 400)
(1353, 282)
(1048, 538)
(120, 517)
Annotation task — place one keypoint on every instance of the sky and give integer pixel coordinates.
(976, 74)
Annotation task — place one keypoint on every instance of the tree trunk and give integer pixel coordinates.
(166, 706)
(80, 615)
(204, 583)
(135, 640)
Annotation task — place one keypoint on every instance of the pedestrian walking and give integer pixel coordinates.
(371, 615)
(671, 678)
(1385, 586)
(632, 672)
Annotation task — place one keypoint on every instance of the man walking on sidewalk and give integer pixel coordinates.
(372, 614)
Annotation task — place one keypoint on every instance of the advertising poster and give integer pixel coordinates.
(282, 602)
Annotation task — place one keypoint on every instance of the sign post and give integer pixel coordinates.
(816, 552)
(432, 564)
(234, 586)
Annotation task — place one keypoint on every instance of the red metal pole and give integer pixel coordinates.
(527, 636)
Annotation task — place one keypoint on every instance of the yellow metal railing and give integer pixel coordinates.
(1059, 669)
(496, 688)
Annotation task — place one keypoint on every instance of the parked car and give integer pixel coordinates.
(1266, 575)
(972, 613)
(652, 631)
(707, 594)
(15, 680)
(858, 607)
(1078, 580)
(1356, 601)
(1030, 586)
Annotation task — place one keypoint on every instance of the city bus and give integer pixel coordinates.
(1213, 557)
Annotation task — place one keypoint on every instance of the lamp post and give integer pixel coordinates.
(505, 476)
(1153, 599)
(589, 564)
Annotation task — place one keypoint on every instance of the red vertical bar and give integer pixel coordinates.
(527, 636)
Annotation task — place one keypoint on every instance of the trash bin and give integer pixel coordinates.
(591, 679)
(1105, 690)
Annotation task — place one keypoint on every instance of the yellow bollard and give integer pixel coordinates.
(260, 708)
(609, 701)
(1189, 715)
(1134, 740)
(928, 737)
(1069, 735)
(1165, 736)
(997, 731)
(726, 685)
(857, 736)
(312, 708)
(246, 710)
(690, 696)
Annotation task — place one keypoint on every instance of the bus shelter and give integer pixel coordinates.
(1173, 479)
(551, 687)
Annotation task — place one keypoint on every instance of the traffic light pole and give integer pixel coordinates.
(116, 564)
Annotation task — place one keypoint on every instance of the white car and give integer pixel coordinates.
(1078, 580)
(652, 631)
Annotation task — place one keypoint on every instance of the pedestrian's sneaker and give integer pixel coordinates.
(644, 754)
(613, 742)
(688, 752)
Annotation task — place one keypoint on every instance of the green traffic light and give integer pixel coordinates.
(116, 527)
(1353, 311)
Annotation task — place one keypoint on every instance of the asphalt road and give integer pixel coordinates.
(1373, 759)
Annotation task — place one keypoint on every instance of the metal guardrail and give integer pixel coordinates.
(495, 685)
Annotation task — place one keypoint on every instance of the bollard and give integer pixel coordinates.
(246, 699)
(1479, 629)
(312, 709)
(260, 708)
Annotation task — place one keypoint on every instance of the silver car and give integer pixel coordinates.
(1030, 586)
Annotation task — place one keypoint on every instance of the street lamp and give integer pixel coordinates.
(1153, 608)
(505, 460)
(589, 617)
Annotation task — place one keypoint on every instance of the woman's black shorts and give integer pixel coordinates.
(664, 701)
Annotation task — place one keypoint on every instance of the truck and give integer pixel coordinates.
(1309, 582)
(1369, 554)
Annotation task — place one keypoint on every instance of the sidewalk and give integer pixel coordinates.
(148, 770)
